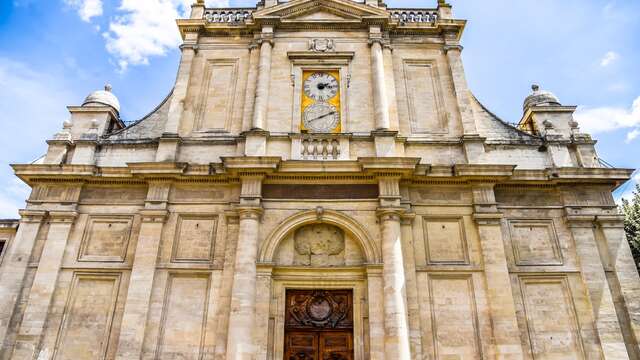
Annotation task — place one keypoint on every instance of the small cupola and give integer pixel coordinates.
(102, 98)
(540, 98)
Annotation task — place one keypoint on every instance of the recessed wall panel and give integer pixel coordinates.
(424, 99)
(535, 242)
(195, 238)
(445, 241)
(106, 238)
(454, 317)
(88, 316)
(184, 317)
(551, 318)
(217, 94)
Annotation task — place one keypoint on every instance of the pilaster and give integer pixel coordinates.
(624, 281)
(411, 285)
(472, 142)
(15, 267)
(264, 78)
(506, 334)
(250, 94)
(136, 308)
(380, 101)
(591, 267)
(169, 142)
(241, 343)
(396, 345)
(44, 283)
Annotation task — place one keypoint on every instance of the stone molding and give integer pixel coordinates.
(249, 212)
(32, 216)
(62, 216)
(488, 218)
(347, 224)
(390, 213)
(154, 216)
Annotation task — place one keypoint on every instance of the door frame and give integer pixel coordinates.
(299, 278)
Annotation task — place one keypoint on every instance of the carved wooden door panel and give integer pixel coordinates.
(319, 325)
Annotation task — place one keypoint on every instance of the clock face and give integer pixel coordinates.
(321, 86)
(321, 117)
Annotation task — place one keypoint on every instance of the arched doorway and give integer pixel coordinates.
(320, 268)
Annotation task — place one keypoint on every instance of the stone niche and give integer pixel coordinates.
(319, 245)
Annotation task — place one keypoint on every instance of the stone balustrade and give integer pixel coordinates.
(241, 15)
(320, 147)
(414, 15)
(231, 16)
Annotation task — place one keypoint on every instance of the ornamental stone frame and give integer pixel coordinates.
(318, 216)
(362, 280)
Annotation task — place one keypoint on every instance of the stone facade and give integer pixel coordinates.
(457, 235)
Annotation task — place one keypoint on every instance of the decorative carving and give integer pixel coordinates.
(319, 244)
(322, 45)
(319, 309)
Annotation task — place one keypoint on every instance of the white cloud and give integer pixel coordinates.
(609, 58)
(87, 9)
(603, 119)
(146, 28)
(633, 135)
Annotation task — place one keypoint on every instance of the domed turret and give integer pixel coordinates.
(101, 98)
(540, 98)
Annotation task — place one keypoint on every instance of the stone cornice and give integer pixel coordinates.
(232, 167)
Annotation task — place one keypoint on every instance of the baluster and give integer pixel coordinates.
(305, 148)
(330, 149)
(336, 149)
(323, 148)
(315, 149)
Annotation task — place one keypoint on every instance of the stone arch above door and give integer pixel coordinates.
(352, 229)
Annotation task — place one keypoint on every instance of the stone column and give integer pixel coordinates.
(44, 283)
(240, 344)
(380, 101)
(396, 344)
(506, 334)
(250, 93)
(264, 78)
(136, 308)
(14, 267)
(411, 286)
(624, 279)
(593, 261)
(168, 146)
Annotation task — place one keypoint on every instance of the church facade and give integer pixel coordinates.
(320, 184)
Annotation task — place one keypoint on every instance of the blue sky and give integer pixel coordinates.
(586, 51)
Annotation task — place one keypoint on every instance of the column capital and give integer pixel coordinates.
(62, 216)
(249, 212)
(580, 221)
(488, 218)
(390, 213)
(407, 218)
(190, 46)
(610, 221)
(154, 216)
(454, 47)
(32, 216)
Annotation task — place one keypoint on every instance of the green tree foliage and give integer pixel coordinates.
(631, 210)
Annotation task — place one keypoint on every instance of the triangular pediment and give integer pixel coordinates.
(320, 11)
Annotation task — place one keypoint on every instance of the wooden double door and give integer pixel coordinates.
(319, 325)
